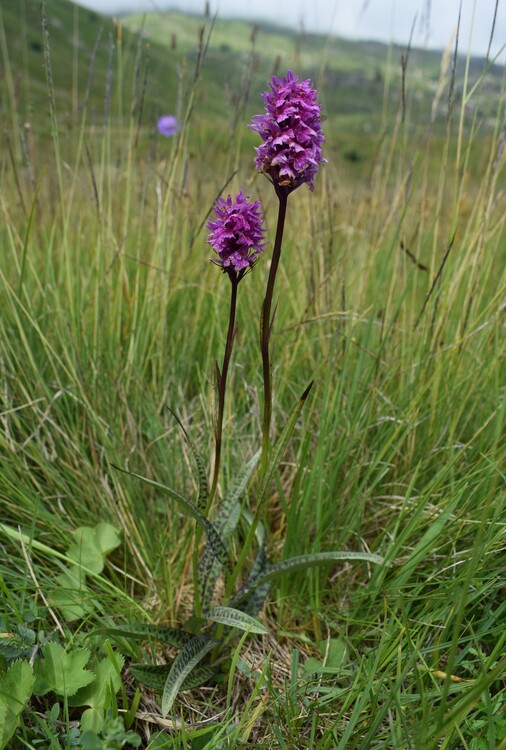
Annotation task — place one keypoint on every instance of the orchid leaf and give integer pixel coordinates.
(250, 598)
(182, 666)
(234, 618)
(155, 676)
(225, 523)
(171, 636)
(230, 509)
(247, 599)
(309, 561)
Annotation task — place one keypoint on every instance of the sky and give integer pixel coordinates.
(433, 21)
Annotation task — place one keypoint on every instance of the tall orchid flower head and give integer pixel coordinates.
(290, 129)
(236, 234)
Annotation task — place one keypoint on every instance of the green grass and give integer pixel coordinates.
(110, 310)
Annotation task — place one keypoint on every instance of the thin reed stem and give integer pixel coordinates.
(266, 322)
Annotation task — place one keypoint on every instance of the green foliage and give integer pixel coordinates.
(71, 595)
(62, 672)
(88, 552)
(97, 694)
(113, 736)
(16, 687)
(281, 444)
(92, 545)
(217, 545)
(334, 655)
(20, 644)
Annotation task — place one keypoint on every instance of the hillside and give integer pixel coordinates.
(145, 65)
(85, 50)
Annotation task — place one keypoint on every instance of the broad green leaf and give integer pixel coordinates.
(172, 636)
(225, 522)
(92, 545)
(72, 597)
(8, 725)
(310, 561)
(183, 664)
(97, 694)
(217, 545)
(334, 652)
(334, 656)
(62, 672)
(16, 687)
(155, 676)
(201, 468)
(236, 619)
(108, 537)
(281, 443)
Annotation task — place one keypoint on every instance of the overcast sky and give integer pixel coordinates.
(385, 20)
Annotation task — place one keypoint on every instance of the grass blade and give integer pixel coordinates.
(217, 545)
(201, 469)
(281, 443)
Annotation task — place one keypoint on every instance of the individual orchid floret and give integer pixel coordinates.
(291, 151)
(236, 234)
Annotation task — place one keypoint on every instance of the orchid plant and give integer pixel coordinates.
(290, 155)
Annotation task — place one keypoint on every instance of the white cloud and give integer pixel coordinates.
(384, 20)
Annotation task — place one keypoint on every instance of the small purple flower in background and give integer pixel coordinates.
(291, 132)
(236, 233)
(168, 125)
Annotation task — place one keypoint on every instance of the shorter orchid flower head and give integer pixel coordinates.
(236, 234)
(290, 129)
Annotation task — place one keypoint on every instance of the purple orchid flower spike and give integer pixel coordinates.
(236, 234)
(291, 151)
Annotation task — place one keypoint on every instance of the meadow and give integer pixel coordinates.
(390, 298)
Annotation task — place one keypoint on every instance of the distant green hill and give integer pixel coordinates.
(146, 65)
(85, 53)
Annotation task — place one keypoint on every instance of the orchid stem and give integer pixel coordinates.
(266, 322)
(222, 386)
